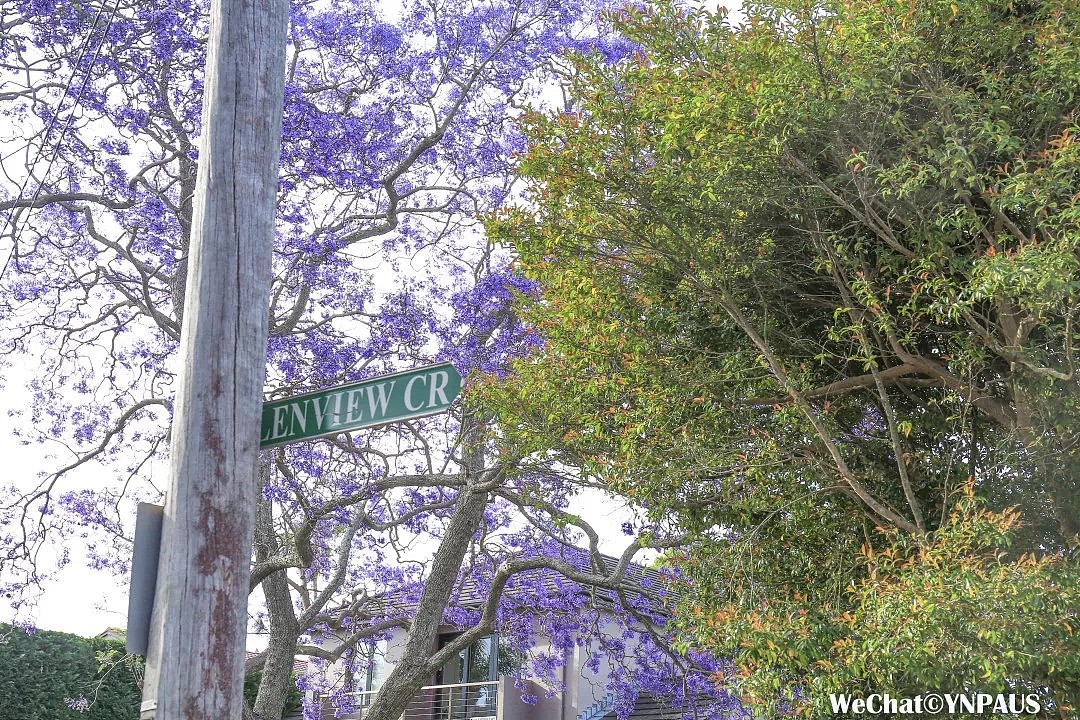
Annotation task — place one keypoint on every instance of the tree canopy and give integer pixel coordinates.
(399, 132)
(809, 284)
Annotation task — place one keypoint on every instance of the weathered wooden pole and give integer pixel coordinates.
(196, 651)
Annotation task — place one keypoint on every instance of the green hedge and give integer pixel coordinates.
(41, 674)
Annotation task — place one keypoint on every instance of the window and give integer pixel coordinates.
(378, 666)
(471, 675)
(487, 659)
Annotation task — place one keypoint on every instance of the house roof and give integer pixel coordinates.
(299, 666)
(542, 583)
(544, 589)
(113, 633)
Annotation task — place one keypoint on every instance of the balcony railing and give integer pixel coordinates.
(462, 701)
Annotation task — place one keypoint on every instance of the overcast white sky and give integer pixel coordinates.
(81, 601)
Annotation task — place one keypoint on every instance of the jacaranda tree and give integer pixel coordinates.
(398, 133)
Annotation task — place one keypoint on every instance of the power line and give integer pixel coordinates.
(9, 220)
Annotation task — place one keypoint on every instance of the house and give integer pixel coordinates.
(299, 666)
(479, 682)
(113, 633)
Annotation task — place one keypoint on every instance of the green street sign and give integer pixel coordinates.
(381, 400)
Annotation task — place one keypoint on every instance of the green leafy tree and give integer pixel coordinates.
(809, 284)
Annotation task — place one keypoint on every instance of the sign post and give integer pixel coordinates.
(390, 398)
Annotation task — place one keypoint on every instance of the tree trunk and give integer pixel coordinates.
(412, 672)
(284, 627)
(284, 635)
(409, 675)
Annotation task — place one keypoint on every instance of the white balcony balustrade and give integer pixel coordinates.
(460, 701)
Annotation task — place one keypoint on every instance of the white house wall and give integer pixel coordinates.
(589, 687)
(583, 687)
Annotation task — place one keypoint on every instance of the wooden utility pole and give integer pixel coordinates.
(195, 659)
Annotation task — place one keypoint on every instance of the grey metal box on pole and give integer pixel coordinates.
(144, 568)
